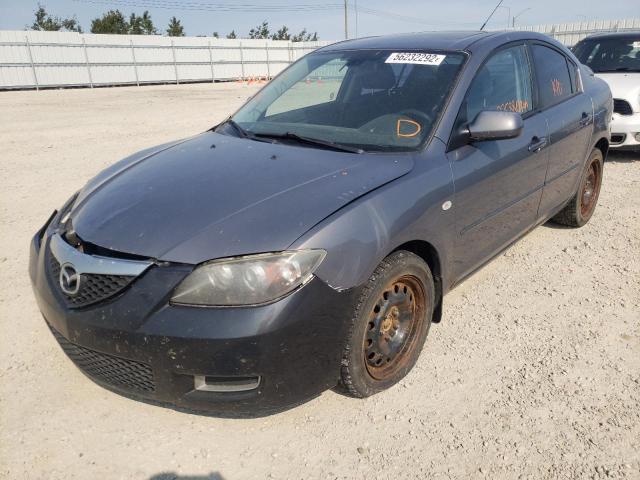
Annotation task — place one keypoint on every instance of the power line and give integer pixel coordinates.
(269, 8)
(405, 18)
(220, 7)
(255, 7)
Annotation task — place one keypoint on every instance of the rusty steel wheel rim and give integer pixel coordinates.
(590, 189)
(394, 323)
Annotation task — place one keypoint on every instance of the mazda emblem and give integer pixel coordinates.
(69, 279)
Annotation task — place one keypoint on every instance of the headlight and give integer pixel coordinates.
(248, 280)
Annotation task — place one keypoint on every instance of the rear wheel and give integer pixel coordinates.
(581, 207)
(389, 325)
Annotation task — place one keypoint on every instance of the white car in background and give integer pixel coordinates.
(615, 58)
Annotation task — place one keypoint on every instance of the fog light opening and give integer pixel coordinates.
(205, 383)
(637, 135)
(618, 138)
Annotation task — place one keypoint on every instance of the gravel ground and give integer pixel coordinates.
(534, 371)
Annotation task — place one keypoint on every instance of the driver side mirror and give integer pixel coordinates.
(495, 125)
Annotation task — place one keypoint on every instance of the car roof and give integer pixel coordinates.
(605, 35)
(441, 40)
(433, 40)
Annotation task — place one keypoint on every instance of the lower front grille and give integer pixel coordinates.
(108, 369)
(93, 288)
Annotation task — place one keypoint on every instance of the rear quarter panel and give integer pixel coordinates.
(602, 104)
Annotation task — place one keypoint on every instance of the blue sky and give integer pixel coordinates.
(433, 15)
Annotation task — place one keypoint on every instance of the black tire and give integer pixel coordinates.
(398, 300)
(581, 207)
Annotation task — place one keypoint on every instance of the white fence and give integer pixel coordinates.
(30, 59)
(572, 33)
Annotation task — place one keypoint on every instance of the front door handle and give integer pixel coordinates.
(537, 144)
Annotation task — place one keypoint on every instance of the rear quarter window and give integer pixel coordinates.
(555, 83)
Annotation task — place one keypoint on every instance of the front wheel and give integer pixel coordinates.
(389, 325)
(581, 207)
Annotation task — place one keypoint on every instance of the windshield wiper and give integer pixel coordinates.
(242, 132)
(310, 141)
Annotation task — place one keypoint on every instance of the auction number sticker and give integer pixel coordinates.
(416, 58)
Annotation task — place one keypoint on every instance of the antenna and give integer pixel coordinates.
(489, 18)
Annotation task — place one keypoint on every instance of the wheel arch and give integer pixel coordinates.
(603, 146)
(430, 255)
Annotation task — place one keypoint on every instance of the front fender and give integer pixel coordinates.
(361, 234)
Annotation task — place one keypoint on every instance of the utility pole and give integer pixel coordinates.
(515, 17)
(508, 14)
(355, 9)
(346, 22)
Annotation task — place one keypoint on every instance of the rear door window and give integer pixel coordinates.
(552, 73)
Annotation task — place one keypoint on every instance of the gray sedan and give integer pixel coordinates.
(307, 242)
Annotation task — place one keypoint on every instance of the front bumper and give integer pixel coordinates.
(139, 345)
(624, 129)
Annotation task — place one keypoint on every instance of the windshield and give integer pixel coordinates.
(373, 100)
(620, 54)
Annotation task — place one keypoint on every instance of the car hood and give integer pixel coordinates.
(215, 196)
(625, 86)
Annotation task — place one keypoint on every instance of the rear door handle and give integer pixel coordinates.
(585, 119)
(537, 144)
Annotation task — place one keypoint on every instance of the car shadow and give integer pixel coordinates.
(175, 476)
(555, 226)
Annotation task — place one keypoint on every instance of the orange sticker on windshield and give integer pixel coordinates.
(407, 128)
